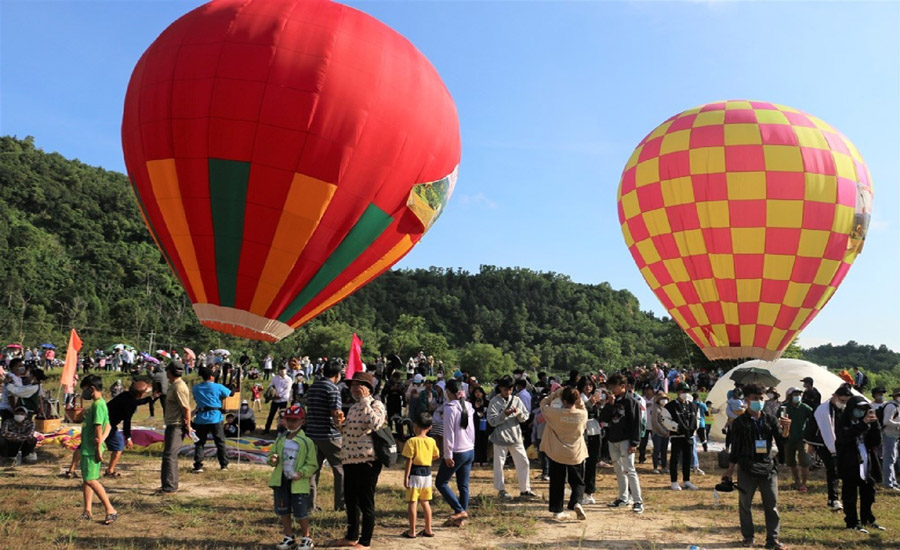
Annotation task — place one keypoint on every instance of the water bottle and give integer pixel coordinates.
(18, 461)
(715, 498)
(193, 436)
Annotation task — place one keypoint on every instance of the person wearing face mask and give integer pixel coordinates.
(93, 433)
(795, 454)
(820, 434)
(660, 434)
(246, 418)
(17, 435)
(683, 419)
(856, 437)
(752, 437)
(505, 413)
(121, 408)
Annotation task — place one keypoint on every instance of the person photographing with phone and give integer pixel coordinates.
(857, 437)
(751, 449)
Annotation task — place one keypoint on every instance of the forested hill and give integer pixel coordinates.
(77, 254)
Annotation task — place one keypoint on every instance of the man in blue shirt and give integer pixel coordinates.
(208, 418)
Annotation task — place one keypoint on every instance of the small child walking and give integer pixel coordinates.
(294, 457)
(93, 433)
(420, 451)
(256, 392)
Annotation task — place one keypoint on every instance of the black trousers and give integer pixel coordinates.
(359, 497)
(272, 410)
(681, 452)
(831, 476)
(590, 465)
(851, 486)
(9, 449)
(559, 473)
(217, 431)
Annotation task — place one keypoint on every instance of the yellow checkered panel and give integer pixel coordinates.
(744, 217)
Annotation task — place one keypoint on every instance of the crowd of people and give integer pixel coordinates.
(576, 424)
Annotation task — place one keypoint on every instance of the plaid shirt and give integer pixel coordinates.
(15, 431)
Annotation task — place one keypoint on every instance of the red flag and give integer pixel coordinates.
(68, 372)
(354, 364)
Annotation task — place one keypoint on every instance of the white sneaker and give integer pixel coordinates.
(504, 494)
(579, 512)
(699, 471)
(588, 499)
(676, 486)
(287, 543)
(562, 515)
(31, 458)
(690, 486)
(654, 471)
(305, 542)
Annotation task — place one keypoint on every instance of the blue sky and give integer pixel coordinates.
(552, 99)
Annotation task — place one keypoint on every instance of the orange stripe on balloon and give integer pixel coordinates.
(303, 209)
(393, 255)
(164, 180)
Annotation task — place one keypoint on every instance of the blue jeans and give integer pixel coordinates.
(660, 444)
(695, 460)
(462, 465)
(889, 457)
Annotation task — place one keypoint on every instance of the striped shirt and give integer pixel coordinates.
(322, 399)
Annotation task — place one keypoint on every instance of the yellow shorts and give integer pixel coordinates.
(414, 495)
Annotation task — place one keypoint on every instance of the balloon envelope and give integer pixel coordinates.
(284, 153)
(744, 217)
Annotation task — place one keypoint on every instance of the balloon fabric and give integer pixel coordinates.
(284, 153)
(744, 217)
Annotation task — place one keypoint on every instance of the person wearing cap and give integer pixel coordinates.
(795, 454)
(178, 424)
(208, 418)
(17, 435)
(294, 457)
(811, 395)
(890, 432)
(821, 435)
(361, 466)
(856, 436)
(246, 418)
(753, 434)
(505, 412)
(683, 419)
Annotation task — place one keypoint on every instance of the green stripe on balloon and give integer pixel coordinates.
(369, 227)
(228, 180)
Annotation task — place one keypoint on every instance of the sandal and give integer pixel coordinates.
(87, 517)
(70, 474)
(112, 474)
(422, 533)
(406, 535)
(111, 518)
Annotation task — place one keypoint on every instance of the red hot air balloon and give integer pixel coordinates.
(285, 153)
(744, 217)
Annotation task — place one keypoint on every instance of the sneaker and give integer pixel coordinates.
(588, 499)
(618, 503)
(655, 471)
(562, 515)
(305, 542)
(747, 543)
(698, 471)
(223, 469)
(860, 529)
(579, 512)
(835, 505)
(690, 486)
(874, 525)
(676, 486)
(197, 470)
(31, 458)
(287, 543)
(504, 494)
(638, 508)
(545, 477)
(527, 494)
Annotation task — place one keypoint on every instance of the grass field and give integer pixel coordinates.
(232, 510)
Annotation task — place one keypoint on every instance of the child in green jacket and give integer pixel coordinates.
(294, 457)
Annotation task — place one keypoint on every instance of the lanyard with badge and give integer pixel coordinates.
(762, 447)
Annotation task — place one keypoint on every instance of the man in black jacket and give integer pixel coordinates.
(622, 414)
(751, 449)
(683, 417)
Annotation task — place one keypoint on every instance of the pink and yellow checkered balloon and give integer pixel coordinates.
(744, 217)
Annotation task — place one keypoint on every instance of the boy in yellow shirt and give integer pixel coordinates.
(420, 451)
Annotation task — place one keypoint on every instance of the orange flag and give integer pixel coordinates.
(68, 372)
(354, 363)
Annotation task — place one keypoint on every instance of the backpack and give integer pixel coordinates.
(384, 445)
(879, 413)
(865, 382)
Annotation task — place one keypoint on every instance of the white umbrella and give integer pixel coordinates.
(221, 352)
